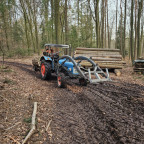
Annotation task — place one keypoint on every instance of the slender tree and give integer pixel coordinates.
(131, 32)
(140, 5)
(125, 16)
(135, 46)
(66, 24)
(108, 27)
(57, 21)
(102, 21)
(116, 22)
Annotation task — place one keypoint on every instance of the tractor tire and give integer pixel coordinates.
(82, 82)
(61, 81)
(45, 70)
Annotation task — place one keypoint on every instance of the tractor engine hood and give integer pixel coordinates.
(67, 63)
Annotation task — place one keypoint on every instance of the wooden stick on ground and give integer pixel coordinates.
(13, 126)
(32, 124)
(48, 125)
(15, 141)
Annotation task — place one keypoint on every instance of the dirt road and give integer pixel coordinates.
(112, 112)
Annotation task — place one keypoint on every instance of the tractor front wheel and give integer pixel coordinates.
(45, 70)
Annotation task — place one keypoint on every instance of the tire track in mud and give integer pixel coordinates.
(119, 113)
(103, 113)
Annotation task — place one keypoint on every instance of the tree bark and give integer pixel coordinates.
(25, 22)
(116, 24)
(131, 33)
(125, 29)
(135, 47)
(52, 19)
(57, 21)
(121, 27)
(96, 4)
(102, 21)
(108, 28)
(66, 26)
(36, 29)
(140, 4)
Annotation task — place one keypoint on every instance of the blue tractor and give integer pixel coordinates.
(66, 67)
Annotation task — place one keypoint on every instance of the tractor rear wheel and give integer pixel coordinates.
(60, 81)
(45, 70)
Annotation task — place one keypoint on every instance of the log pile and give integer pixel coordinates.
(139, 65)
(105, 58)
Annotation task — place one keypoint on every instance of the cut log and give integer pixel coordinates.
(106, 59)
(103, 66)
(111, 66)
(139, 68)
(111, 62)
(98, 49)
(117, 72)
(101, 56)
(97, 52)
(104, 63)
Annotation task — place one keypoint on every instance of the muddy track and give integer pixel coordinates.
(104, 113)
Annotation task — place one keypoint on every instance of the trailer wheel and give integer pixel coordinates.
(45, 70)
(60, 81)
(83, 82)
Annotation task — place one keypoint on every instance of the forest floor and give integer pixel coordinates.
(111, 112)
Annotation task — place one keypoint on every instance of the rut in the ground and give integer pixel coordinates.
(103, 113)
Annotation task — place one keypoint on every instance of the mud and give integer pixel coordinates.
(111, 112)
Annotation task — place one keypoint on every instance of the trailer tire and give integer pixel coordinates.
(82, 82)
(45, 70)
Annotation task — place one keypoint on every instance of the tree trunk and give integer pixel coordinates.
(46, 11)
(35, 24)
(124, 29)
(108, 28)
(57, 22)
(52, 17)
(135, 47)
(131, 33)
(116, 24)
(25, 22)
(121, 40)
(102, 21)
(96, 3)
(5, 29)
(29, 19)
(66, 26)
(140, 4)
(105, 24)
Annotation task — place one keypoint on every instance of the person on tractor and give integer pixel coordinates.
(49, 50)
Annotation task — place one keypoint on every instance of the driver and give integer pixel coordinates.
(49, 50)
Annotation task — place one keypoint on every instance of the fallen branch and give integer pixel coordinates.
(32, 124)
(13, 126)
(15, 141)
(48, 125)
